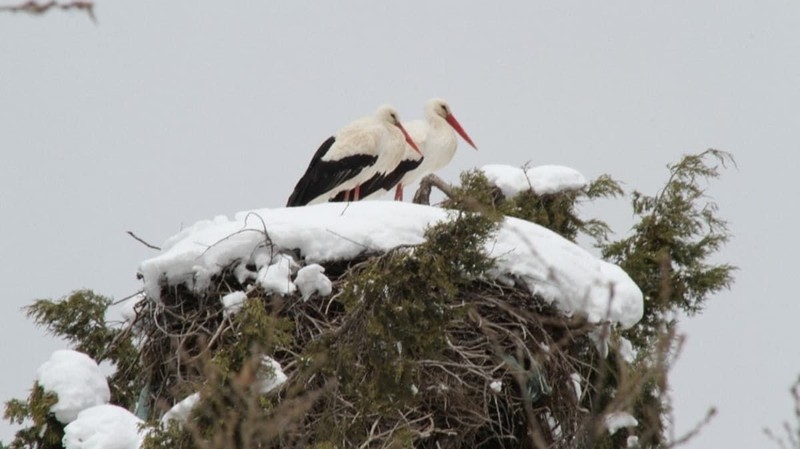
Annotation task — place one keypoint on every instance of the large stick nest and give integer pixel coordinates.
(504, 378)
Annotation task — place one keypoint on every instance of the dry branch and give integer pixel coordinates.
(35, 8)
(140, 240)
(423, 195)
(712, 412)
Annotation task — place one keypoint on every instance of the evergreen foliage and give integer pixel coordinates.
(555, 211)
(80, 318)
(44, 430)
(676, 233)
(408, 350)
(398, 309)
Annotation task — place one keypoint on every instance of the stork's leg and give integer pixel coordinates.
(346, 196)
(398, 193)
(357, 193)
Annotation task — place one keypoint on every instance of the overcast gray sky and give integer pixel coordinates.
(167, 112)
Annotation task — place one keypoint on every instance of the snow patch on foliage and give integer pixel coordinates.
(562, 272)
(543, 261)
(599, 337)
(626, 350)
(104, 427)
(542, 179)
(270, 377)
(180, 411)
(617, 420)
(310, 279)
(76, 379)
(233, 302)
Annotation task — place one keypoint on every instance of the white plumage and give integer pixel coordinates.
(436, 138)
(366, 147)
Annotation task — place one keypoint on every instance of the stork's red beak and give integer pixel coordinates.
(409, 139)
(457, 126)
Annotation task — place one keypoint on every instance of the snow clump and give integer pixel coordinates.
(310, 279)
(76, 379)
(542, 179)
(104, 427)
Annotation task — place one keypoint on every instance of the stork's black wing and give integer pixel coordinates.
(385, 181)
(323, 176)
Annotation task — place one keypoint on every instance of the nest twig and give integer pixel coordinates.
(39, 8)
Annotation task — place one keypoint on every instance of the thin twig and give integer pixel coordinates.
(34, 8)
(696, 431)
(130, 233)
(350, 240)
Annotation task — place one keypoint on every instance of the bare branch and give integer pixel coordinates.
(696, 431)
(424, 192)
(37, 9)
(130, 233)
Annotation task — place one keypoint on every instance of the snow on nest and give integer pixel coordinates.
(626, 350)
(104, 427)
(233, 302)
(76, 379)
(310, 279)
(276, 277)
(542, 179)
(180, 411)
(542, 260)
(270, 378)
(618, 420)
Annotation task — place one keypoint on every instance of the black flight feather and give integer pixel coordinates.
(323, 176)
(385, 181)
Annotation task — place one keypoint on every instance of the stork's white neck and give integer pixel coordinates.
(440, 145)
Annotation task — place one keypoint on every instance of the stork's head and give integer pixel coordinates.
(388, 114)
(438, 107)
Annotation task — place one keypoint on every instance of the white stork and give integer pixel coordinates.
(368, 146)
(436, 138)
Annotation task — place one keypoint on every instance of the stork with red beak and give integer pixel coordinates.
(436, 138)
(365, 148)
